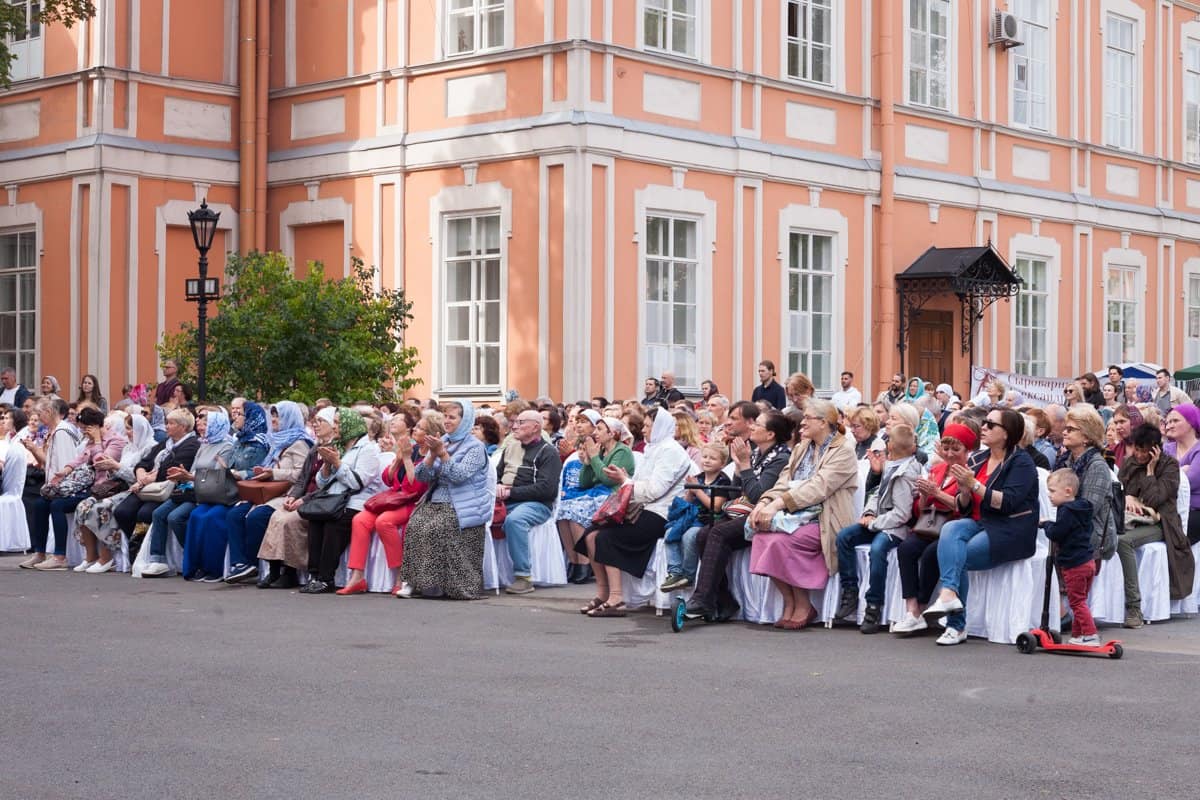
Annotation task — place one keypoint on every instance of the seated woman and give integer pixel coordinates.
(585, 486)
(286, 461)
(1151, 481)
(757, 465)
(688, 437)
(59, 448)
(50, 387)
(629, 547)
(216, 449)
(443, 544)
(1182, 428)
(1111, 395)
(863, 425)
(487, 430)
(349, 466)
(1124, 419)
(95, 526)
(1005, 483)
(403, 490)
(207, 532)
(89, 392)
(818, 486)
(916, 556)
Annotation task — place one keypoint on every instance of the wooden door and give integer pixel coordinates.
(932, 345)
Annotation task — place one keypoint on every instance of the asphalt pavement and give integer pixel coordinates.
(123, 688)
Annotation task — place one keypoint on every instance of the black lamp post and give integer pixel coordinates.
(204, 227)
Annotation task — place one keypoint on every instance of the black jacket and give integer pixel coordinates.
(182, 455)
(537, 477)
(773, 393)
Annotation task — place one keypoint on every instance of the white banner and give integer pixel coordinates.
(1035, 391)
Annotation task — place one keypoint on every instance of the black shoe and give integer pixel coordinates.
(848, 605)
(286, 580)
(696, 611)
(316, 586)
(871, 621)
(573, 573)
(727, 612)
(585, 574)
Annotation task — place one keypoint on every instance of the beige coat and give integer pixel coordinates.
(831, 486)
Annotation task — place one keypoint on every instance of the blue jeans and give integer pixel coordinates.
(168, 516)
(683, 557)
(53, 511)
(962, 545)
(517, 522)
(881, 543)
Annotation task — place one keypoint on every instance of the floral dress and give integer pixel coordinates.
(578, 505)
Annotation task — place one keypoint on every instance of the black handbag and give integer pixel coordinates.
(326, 506)
(216, 486)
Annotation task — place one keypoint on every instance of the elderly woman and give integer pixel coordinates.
(916, 556)
(585, 486)
(816, 494)
(215, 451)
(395, 504)
(629, 547)
(95, 526)
(1083, 438)
(207, 530)
(1151, 481)
(1125, 418)
(1005, 483)
(349, 467)
(60, 443)
(443, 544)
(246, 524)
(1182, 427)
(50, 387)
(863, 425)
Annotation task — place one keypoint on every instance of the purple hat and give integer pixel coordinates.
(1191, 414)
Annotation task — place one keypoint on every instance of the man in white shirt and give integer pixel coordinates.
(13, 393)
(847, 397)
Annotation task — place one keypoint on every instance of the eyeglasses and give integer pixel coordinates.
(989, 424)
(1070, 429)
(812, 418)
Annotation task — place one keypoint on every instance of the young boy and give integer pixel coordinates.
(1072, 532)
(884, 524)
(682, 554)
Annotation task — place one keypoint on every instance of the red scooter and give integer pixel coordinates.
(1051, 641)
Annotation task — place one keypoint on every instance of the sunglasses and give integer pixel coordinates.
(988, 424)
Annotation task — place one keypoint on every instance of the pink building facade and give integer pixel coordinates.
(579, 193)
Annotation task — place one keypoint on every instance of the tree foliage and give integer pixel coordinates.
(276, 336)
(13, 24)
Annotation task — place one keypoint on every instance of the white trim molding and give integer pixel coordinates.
(1128, 258)
(1041, 248)
(317, 212)
(174, 213)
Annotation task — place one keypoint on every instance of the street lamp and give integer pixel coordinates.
(204, 227)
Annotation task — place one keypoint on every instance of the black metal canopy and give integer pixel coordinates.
(977, 276)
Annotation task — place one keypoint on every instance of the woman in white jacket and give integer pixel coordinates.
(629, 547)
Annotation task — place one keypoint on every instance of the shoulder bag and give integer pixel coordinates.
(157, 492)
(77, 481)
(326, 506)
(622, 510)
(216, 486)
(259, 492)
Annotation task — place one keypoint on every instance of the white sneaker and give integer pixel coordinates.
(951, 636)
(155, 570)
(939, 607)
(100, 567)
(83, 566)
(910, 624)
(1090, 641)
(405, 590)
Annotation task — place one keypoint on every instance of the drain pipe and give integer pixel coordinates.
(262, 81)
(885, 267)
(246, 113)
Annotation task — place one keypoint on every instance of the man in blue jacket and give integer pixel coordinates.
(528, 496)
(13, 393)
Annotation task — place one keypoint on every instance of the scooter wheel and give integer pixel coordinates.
(679, 617)
(1026, 643)
(1117, 652)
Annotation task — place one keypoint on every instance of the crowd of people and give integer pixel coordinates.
(278, 493)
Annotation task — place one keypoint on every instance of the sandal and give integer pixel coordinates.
(592, 606)
(608, 610)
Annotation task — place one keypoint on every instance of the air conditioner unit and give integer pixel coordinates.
(1004, 30)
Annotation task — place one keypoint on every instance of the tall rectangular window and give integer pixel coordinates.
(1032, 318)
(1031, 65)
(18, 302)
(471, 307)
(474, 26)
(1191, 336)
(672, 333)
(670, 25)
(1191, 102)
(25, 40)
(929, 53)
(1120, 297)
(1120, 74)
(810, 40)
(809, 308)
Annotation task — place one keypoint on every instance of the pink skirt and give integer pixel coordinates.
(795, 558)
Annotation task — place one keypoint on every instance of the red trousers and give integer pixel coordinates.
(1078, 582)
(390, 527)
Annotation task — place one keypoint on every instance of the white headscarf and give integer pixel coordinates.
(665, 457)
(143, 442)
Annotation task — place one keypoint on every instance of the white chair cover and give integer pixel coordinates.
(379, 577)
(548, 564)
(860, 493)
(643, 591)
(1007, 600)
(174, 557)
(893, 595)
(1191, 603)
(14, 526)
(1107, 599)
(761, 603)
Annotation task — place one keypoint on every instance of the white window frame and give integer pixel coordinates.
(1049, 251)
(1191, 75)
(670, 259)
(1038, 363)
(814, 221)
(24, 356)
(458, 201)
(795, 270)
(479, 11)
(1019, 54)
(668, 201)
(1191, 302)
(477, 341)
(1128, 11)
(836, 42)
(951, 57)
(703, 45)
(28, 62)
(1132, 260)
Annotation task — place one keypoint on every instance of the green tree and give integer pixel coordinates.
(14, 26)
(276, 336)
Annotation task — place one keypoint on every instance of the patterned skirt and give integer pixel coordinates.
(438, 554)
(97, 517)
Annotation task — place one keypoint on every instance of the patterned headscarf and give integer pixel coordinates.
(216, 430)
(912, 398)
(291, 429)
(464, 427)
(351, 427)
(254, 425)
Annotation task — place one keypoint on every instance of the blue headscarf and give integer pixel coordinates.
(291, 429)
(912, 398)
(216, 429)
(468, 422)
(254, 426)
